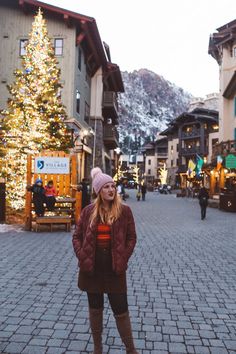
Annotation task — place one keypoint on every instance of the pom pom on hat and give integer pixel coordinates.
(95, 171)
(99, 179)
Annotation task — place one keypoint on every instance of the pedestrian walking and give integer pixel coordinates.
(203, 197)
(38, 196)
(104, 241)
(143, 191)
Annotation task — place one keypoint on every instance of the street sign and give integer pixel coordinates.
(52, 165)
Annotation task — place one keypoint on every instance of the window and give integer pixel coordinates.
(172, 163)
(234, 51)
(149, 161)
(87, 113)
(23, 43)
(58, 46)
(149, 172)
(177, 162)
(234, 133)
(79, 59)
(77, 101)
(177, 147)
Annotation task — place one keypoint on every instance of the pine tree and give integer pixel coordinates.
(34, 120)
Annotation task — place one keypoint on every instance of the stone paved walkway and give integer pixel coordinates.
(182, 286)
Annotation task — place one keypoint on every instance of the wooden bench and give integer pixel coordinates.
(53, 220)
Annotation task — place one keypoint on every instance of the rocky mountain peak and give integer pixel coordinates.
(149, 103)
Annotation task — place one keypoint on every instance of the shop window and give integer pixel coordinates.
(77, 101)
(23, 43)
(58, 46)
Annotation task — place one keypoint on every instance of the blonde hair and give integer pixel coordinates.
(106, 216)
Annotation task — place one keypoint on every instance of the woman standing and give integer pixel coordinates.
(103, 241)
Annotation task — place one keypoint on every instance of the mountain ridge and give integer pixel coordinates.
(148, 105)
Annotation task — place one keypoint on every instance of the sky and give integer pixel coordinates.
(168, 37)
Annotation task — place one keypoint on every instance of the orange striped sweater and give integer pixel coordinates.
(103, 236)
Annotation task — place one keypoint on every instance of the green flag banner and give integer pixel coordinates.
(230, 161)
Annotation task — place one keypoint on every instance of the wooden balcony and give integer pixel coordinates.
(195, 133)
(190, 151)
(224, 148)
(110, 136)
(110, 105)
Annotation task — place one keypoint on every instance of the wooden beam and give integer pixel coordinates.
(90, 41)
(80, 38)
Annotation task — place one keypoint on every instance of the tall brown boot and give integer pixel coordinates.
(124, 328)
(96, 322)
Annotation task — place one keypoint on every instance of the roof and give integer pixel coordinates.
(86, 31)
(230, 89)
(226, 34)
(198, 114)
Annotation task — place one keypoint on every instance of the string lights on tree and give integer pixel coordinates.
(34, 119)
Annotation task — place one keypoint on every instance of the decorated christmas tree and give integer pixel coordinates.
(34, 120)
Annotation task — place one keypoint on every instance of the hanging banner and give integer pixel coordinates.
(230, 161)
(52, 165)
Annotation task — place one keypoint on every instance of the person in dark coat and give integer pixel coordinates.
(143, 191)
(38, 196)
(203, 197)
(103, 242)
(85, 193)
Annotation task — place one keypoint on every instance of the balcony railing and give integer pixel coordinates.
(110, 136)
(162, 154)
(224, 148)
(191, 134)
(190, 151)
(110, 104)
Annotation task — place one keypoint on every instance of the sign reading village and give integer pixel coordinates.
(52, 165)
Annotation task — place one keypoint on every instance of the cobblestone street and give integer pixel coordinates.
(182, 285)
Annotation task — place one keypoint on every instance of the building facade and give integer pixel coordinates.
(222, 47)
(190, 134)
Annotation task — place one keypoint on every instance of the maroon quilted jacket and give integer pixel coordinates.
(123, 238)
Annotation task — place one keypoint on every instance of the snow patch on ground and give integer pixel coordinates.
(9, 228)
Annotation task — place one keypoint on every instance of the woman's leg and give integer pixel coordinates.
(96, 302)
(119, 307)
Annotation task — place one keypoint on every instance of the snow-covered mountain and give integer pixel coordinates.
(148, 104)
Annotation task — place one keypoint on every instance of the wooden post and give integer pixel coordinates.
(73, 175)
(28, 201)
(222, 178)
(212, 182)
(78, 205)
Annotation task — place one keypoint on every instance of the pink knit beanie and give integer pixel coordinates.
(99, 179)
